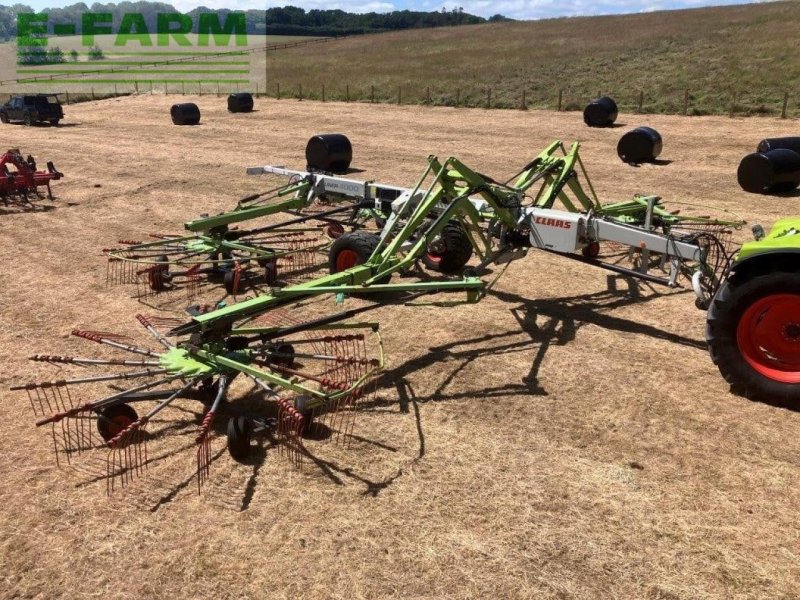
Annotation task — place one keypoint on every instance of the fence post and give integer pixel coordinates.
(641, 100)
(136, 86)
(560, 98)
(300, 91)
(372, 94)
(686, 102)
(399, 95)
(200, 88)
(524, 104)
(92, 92)
(458, 96)
(256, 89)
(488, 97)
(785, 104)
(151, 87)
(218, 89)
(428, 95)
(183, 88)
(347, 93)
(67, 93)
(733, 105)
(278, 96)
(323, 92)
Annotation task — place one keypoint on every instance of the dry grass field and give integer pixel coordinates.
(568, 437)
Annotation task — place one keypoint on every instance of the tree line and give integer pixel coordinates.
(287, 20)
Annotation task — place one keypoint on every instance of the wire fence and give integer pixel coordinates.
(678, 102)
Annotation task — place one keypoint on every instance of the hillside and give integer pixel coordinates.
(660, 53)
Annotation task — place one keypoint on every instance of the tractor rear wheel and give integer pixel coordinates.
(451, 251)
(114, 419)
(240, 433)
(753, 334)
(3, 117)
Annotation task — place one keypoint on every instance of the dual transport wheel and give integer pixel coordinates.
(448, 253)
(753, 334)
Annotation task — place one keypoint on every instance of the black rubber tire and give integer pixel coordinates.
(270, 273)
(457, 250)
(724, 314)
(3, 117)
(159, 274)
(27, 119)
(54, 122)
(307, 413)
(362, 243)
(284, 361)
(229, 281)
(240, 434)
(118, 412)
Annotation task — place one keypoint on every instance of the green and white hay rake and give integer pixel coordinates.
(324, 366)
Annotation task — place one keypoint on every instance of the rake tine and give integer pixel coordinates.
(153, 331)
(103, 338)
(204, 436)
(95, 379)
(92, 361)
(127, 455)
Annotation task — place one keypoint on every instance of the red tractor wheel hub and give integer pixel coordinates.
(768, 336)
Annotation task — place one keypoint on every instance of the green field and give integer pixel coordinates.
(749, 50)
(174, 64)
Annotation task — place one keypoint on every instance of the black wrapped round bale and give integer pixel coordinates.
(642, 144)
(786, 143)
(330, 152)
(185, 114)
(772, 172)
(601, 112)
(240, 102)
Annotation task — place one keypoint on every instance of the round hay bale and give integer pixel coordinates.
(773, 172)
(642, 144)
(185, 114)
(331, 152)
(786, 143)
(240, 102)
(601, 112)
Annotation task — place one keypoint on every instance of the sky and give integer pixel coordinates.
(516, 9)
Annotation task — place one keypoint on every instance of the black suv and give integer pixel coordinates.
(31, 109)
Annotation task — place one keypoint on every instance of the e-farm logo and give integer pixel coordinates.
(133, 48)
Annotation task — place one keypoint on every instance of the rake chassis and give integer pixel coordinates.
(429, 222)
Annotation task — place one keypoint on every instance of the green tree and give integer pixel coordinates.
(73, 55)
(96, 53)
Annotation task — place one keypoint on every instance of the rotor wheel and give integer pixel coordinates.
(158, 274)
(451, 251)
(307, 414)
(352, 249)
(591, 250)
(271, 273)
(240, 435)
(285, 356)
(232, 281)
(753, 334)
(115, 419)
